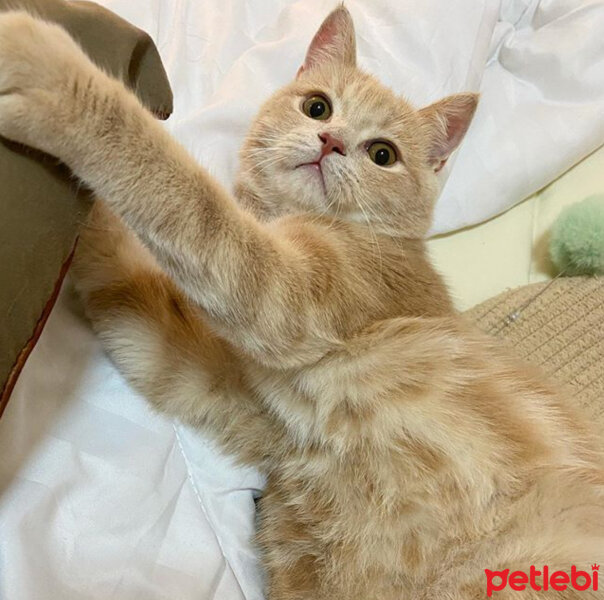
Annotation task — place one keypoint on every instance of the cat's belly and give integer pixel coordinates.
(338, 549)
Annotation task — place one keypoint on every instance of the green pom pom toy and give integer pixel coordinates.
(577, 238)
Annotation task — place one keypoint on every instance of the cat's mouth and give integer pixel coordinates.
(315, 166)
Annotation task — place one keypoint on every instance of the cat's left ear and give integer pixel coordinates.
(447, 122)
(333, 43)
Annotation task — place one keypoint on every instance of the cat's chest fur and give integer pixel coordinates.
(371, 432)
(389, 436)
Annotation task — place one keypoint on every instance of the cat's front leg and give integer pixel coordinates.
(162, 345)
(263, 286)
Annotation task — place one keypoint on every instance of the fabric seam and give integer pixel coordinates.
(204, 508)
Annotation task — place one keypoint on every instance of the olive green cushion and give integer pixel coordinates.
(40, 204)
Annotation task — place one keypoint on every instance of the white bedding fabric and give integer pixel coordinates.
(101, 499)
(539, 66)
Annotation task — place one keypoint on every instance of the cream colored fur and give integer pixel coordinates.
(300, 323)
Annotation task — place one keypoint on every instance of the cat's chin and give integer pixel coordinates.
(313, 172)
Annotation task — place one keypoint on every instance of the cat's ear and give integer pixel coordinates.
(333, 43)
(447, 122)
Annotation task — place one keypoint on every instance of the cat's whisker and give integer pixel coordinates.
(262, 165)
(372, 232)
(319, 216)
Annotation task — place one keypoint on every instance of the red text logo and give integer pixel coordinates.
(542, 580)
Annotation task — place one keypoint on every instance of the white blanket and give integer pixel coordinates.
(99, 498)
(539, 66)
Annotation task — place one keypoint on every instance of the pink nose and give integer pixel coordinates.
(331, 144)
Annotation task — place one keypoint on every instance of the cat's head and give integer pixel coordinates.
(337, 142)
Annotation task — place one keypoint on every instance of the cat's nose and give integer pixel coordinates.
(331, 144)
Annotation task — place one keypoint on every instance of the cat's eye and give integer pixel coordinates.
(317, 107)
(382, 153)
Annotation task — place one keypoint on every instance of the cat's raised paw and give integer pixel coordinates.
(39, 63)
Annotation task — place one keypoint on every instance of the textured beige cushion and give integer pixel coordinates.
(558, 325)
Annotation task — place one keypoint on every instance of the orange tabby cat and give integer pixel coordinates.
(300, 323)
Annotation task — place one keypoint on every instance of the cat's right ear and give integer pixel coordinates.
(446, 123)
(334, 42)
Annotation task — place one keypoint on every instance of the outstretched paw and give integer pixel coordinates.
(40, 68)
